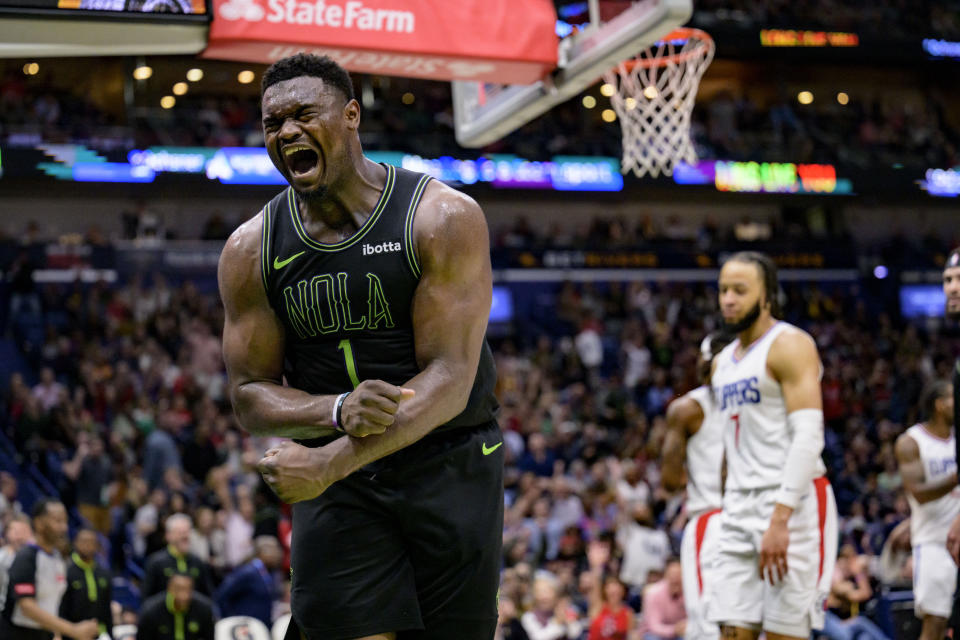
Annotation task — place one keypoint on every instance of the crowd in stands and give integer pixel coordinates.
(122, 407)
(885, 18)
(863, 133)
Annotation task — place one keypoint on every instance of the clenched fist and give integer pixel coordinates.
(371, 407)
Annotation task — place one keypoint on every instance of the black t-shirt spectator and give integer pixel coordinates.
(158, 620)
(34, 574)
(163, 564)
(88, 594)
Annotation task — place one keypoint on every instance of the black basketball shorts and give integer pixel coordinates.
(410, 543)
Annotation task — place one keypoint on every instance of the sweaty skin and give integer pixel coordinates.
(450, 305)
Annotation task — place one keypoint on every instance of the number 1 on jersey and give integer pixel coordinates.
(736, 433)
(351, 363)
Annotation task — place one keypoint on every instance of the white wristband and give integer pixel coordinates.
(336, 410)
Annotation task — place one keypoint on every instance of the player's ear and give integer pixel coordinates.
(351, 114)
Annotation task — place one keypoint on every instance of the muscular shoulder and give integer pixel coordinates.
(793, 351)
(239, 266)
(906, 448)
(684, 413)
(448, 222)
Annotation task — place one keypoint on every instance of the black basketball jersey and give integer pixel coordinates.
(346, 307)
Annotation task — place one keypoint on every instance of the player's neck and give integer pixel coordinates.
(348, 202)
(756, 331)
(939, 428)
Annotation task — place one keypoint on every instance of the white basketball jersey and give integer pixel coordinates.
(750, 403)
(704, 457)
(930, 522)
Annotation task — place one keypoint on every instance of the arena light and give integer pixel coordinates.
(589, 102)
(167, 102)
(630, 103)
(880, 272)
(650, 92)
(31, 69)
(408, 98)
(180, 88)
(245, 77)
(142, 72)
(843, 98)
(195, 75)
(608, 115)
(805, 97)
(607, 89)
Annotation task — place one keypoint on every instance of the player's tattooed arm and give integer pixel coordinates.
(911, 470)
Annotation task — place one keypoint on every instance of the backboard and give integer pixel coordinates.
(485, 112)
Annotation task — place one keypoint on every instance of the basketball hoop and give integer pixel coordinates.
(654, 95)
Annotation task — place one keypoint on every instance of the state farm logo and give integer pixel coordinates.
(322, 13)
(247, 10)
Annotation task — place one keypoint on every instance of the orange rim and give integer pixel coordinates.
(682, 33)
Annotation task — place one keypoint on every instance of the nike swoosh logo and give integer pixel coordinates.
(488, 450)
(278, 264)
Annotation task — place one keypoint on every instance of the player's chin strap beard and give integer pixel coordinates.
(745, 322)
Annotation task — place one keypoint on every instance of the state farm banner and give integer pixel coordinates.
(504, 41)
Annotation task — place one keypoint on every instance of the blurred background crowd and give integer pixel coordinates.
(121, 410)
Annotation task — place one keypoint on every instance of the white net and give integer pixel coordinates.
(653, 97)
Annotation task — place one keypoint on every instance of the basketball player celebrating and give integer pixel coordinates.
(368, 289)
(778, 537)
(928, 466)
(695, 437)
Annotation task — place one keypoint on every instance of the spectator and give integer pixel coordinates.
(175, 558)
(848, 592)
(16, 535)
(48, 391)
(9, 505)
(37, 580)
(177, 613)
(613, 619)
(251, 589)
(508, 623)
(552, 617)
(160, 452)
(664, 617)
(89, 586)
(645, 549)
(91, 471)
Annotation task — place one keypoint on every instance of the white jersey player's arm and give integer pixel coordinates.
(911, 470)
(684, 417)
(795, 364)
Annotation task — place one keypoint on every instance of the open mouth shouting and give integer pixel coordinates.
(301, 160)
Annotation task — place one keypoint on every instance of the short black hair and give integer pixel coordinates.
(934, 390)
(768, 271)
(180, 574)
(41, 506)
(305, 64)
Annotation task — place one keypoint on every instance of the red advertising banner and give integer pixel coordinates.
(504, 41)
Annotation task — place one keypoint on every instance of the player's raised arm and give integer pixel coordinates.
(253, 343)
(911, 470)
